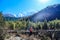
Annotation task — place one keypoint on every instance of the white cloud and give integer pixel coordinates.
(25, 13)
(20, 15)
(15, 15)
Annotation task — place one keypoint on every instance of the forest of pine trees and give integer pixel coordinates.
(22, 24)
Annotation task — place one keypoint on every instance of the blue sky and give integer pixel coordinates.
(21, 8)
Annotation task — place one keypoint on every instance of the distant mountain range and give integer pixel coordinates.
(9, 17)
(49, 13)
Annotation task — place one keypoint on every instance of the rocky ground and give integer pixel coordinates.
(26, 37)
(40, 36)
(22, 37)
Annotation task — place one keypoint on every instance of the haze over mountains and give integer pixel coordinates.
(50, 13)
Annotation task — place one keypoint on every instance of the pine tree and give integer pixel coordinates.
(51, 26)
(1, 26)
(54, 26)
(57, 25)
(1, 20)
(45, 24)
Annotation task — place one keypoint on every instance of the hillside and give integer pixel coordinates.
(50, 13)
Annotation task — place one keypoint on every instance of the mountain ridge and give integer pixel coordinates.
(49, 13)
